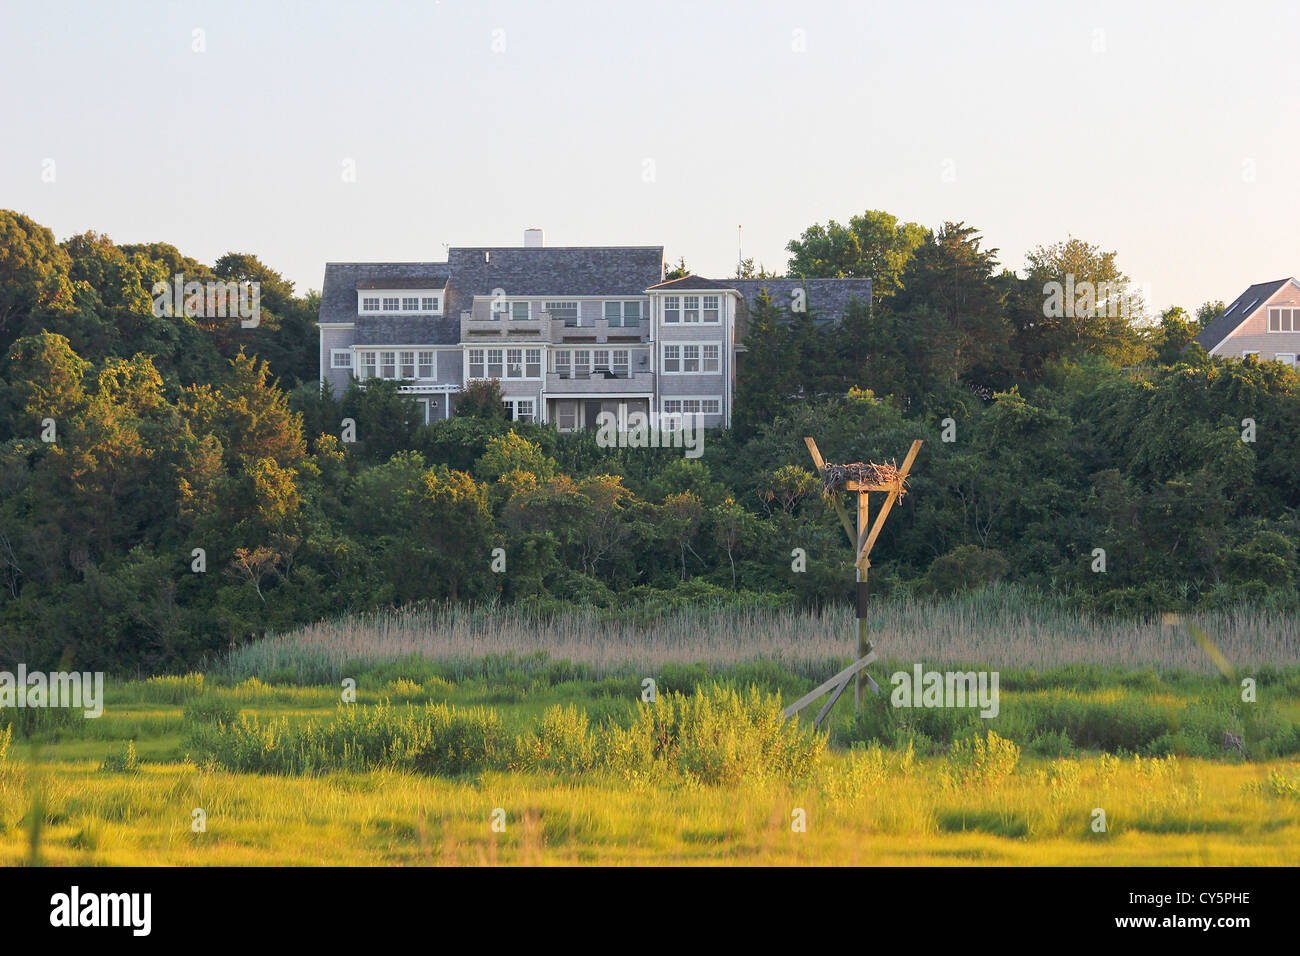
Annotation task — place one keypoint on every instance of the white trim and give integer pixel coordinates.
(343, 351)
(677, 344)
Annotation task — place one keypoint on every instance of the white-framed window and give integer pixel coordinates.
(623, 314)
(600, 360)
(520, 409)
(388, 365)
(367, 369)
(582, 363)
(390, 304)
(1286, 358)
(672, 358)
(690, 358)
(566, 416)
(711, 406)
(428, 365)
(476, 363)
(692, 405)
(690, 308)
(406, 365)
(712, 358)
(672, 308)
(620, 365)
(532, 363)
(411, 303)
(370, 303)
(516, 310)
(566, 311)
(495, 365)
(340, 358)
(712, 308)
(1283, 320)
(430, 303)
(563, 359)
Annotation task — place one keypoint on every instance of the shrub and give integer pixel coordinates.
(122, 760)
(561, 743)
(981, 760)
(212, 710)
(6, 738)
(171, 689)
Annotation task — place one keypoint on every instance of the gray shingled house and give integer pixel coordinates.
(568, 332)
(1263, 321)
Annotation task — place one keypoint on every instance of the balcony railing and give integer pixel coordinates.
(596, 383)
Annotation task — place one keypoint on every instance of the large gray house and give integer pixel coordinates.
(569, 332)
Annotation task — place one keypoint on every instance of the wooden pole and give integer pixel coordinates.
(864, 642)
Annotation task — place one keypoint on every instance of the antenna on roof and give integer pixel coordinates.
(740, 250)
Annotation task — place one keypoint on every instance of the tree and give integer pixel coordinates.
(482, 398)
(1175, 332)
(874, 245)
(679, 271)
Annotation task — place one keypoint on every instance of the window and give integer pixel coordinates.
(428, 365)
(390, 305)
(533, 363)
(690, 358)
(672, 358)
(514, 363)
(1286, 358)
(388, 365)
(620, 363)
(340, 358)
(370, 304)
(712, 358)
(672, 308)
(476, 363)
(562, 367)
(711, 406)
(515, 311)
(411, 304)
(367, 365)
(690, 406)
(566, 414)
(600, 360)
(495, 368)
(690, 308)
(429, 304)
(673, 406)
(567, 311)
(711, 310)
(582, 363)
(1284, 320)
(623, 314)
(519, 409)
(406, 365)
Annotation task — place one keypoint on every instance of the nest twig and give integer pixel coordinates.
(836, 477)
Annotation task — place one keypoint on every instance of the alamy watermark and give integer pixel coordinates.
(946, 689)
(208, 300)
(1086, 300)
(651, 430)
(77, 690)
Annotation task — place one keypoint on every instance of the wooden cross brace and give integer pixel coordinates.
(863, 539)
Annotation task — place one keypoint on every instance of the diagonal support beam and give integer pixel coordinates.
(864, 547)
(821, 715)
(841, 678)
(835, 499)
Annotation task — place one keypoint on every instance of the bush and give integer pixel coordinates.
(6, 738)
(122, 760)
(981, 761)
(210, 710)
(967, 568)
(171, 689)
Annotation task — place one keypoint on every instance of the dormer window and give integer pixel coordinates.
(384, 302)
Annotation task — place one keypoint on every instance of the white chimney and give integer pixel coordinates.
(532, 238)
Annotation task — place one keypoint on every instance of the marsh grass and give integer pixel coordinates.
(1001, 627)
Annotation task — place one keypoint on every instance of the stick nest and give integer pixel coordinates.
(836, 477)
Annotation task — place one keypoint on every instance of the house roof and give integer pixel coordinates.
(1237, 313)
(535, 272)
(406, 330)
(338, 297)
(433, 282)
(690, 282)
(828, 299)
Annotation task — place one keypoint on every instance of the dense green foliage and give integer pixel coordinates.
(198, 491)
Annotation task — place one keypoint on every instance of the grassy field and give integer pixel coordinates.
(447, 730)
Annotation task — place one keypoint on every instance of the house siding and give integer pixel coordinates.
(1253, 334)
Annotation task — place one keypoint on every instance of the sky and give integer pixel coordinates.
(307, 133)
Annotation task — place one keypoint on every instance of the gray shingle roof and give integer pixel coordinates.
(554, 271)
(407, 330)
(1235, 314)
(691, 282)
(828, 299)
(338, 298)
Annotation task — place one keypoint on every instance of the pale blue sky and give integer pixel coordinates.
(1178, 144)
